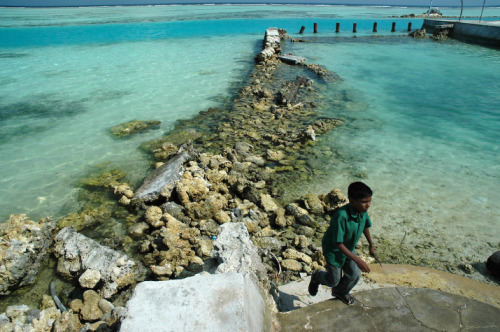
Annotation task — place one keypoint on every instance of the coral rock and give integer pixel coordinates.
(292, 265)
(89, 278)
(313, 204)
(90, 310)
(268, 203)
(294, 254)
(24, 246)
(153, 216)
(77, 254)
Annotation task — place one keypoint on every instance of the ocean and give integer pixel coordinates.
(421, 117)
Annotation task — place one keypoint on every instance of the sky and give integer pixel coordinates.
(424, 3)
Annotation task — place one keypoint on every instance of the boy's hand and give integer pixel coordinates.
(372, 251)
(362, 265)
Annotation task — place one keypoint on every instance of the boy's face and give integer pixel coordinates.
(361, 205)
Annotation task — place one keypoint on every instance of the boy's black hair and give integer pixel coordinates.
(358, 190)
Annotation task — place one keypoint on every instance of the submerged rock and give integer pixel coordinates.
(417, 33)
(133, 127)
(23, 247)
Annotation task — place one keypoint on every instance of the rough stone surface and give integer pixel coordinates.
(77, 254)
(313, 204)
(268, 203)
(90, 310)
(163, 178)
(291, 264)
(89, 278)
(22, 318)
(396, 309)
(235, 252)
(23, 247)
(221, 302)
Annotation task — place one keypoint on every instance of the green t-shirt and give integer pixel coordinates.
(345, 227)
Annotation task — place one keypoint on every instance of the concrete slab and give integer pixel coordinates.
(395, 309)
(294, 295)
(292, 59)
(422, 277)
(220, 302)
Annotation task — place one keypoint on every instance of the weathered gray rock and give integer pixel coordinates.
(24, 246)
(76, 254)
(22, 318)
(290, 92)
(313, 204)
(307, 220)
(161, 181)
(292, 59)
(68, 321)
(268, 242)
(235, 252)
(294, 210)
(292, 265)
(220, 302)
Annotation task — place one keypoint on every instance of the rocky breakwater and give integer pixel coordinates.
(236, 171)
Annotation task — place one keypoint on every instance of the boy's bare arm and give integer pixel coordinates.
(359, 262)
(366, 231)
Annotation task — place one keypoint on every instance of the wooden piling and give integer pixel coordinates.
(315, 27)
(354, 27)
(409, 26)
(337, 27)
(393, 27)
(302, 29)
(375, 27)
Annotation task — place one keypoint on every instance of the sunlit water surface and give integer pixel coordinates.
(421, 117)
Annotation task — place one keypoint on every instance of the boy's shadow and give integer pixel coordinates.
(481, 268)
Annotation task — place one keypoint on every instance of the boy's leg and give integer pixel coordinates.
(351, 276)
(329, 278)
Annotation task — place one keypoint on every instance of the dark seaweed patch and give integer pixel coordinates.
(13, 55)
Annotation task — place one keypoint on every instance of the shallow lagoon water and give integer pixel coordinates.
(421, 128)
(421, 117)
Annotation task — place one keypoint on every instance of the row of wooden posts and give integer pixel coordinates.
(354, 27)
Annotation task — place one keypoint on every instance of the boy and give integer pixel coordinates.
(339, 241)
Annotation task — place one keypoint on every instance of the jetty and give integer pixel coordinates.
(484, 32)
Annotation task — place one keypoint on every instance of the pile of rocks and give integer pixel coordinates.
(100, 272)
(178, 211)
(176, 233)
(238, 178)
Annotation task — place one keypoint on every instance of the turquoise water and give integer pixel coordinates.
(68, 74)
(422, 128)
(422, 117)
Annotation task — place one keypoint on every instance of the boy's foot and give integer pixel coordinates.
(347, 299)
(313, 284)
